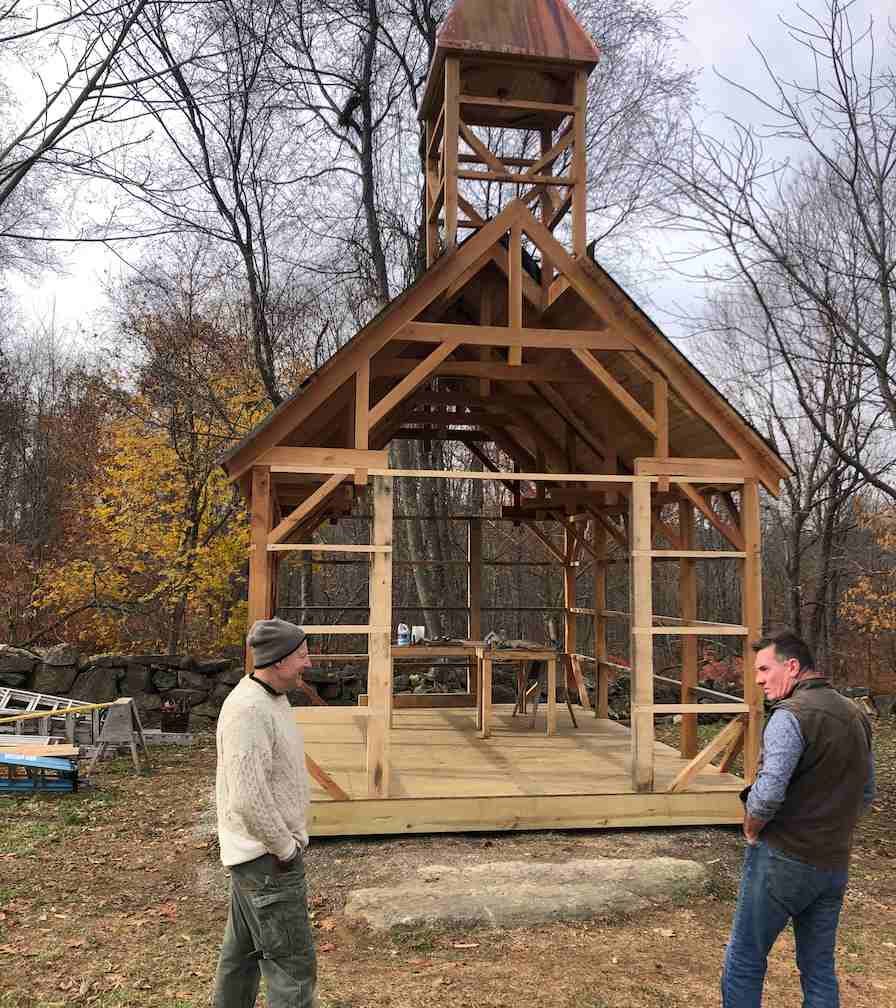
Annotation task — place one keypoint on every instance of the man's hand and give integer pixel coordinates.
(753, 827)
(289, 862)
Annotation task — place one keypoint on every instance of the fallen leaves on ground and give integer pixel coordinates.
(101, 905)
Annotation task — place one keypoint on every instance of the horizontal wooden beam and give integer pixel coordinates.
(418, 701)
(531, 477)
(481, 369)
(700, 690)
(697, 708)
(441, 416)
(734, 470)
(515, 178)
(676, 554)
(521, 812)
(437, 434)
(326, 548)
(516, 104)
(514, 162)
(703, 630)
(547, 339)
(353, 457)
(345, 629)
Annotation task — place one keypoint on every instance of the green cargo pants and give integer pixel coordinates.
(267, 932)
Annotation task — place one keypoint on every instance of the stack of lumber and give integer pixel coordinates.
(36, 774)
(41, 749)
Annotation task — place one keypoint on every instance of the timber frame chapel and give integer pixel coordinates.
(515, 343)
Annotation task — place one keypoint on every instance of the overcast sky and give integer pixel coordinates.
(718, 37)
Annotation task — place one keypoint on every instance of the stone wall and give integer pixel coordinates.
(151, 679)
(202, 684)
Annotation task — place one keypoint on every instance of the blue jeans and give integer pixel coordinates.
(776, 888)
(268, 932)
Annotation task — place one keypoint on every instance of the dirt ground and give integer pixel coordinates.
(100, 906)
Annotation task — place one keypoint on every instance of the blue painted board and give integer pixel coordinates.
(37, 762)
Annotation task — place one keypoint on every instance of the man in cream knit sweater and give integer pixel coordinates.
(262, 797)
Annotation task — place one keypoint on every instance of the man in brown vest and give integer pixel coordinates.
(815, 780)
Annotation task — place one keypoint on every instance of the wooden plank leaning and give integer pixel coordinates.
(718, 745)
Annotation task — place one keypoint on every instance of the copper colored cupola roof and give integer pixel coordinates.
(544, 30)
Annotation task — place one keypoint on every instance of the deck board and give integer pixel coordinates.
(437, 754)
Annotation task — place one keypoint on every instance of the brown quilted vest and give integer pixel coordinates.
(824, 797)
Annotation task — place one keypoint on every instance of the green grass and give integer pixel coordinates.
(39, 819)
(414, 939)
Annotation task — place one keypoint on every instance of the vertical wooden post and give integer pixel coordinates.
(474, 578)
(273, 582)
(579, 166)
(547, 211)
(752, 620)
(260, 518)
(515, 291)
(688, 593)
(451, 129)
(601, 698)
(570, 445)
(474, 594)
(379, 662)
(552, 697)
(431, 188)
(362, 403)
(362, 408)
(661, 418)
(485, 699)
(486, 318)
(609, 463)
(569, 599)
(642, 637)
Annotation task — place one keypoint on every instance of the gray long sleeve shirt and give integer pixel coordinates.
(783, 745)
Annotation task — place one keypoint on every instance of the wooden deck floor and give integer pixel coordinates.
(446, 778)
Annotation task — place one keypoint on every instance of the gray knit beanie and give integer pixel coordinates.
(272, 640)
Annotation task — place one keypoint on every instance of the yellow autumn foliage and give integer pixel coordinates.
(164, 540)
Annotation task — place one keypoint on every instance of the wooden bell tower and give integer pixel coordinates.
(500, 69)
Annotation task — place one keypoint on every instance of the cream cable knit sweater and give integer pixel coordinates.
(261, 789)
